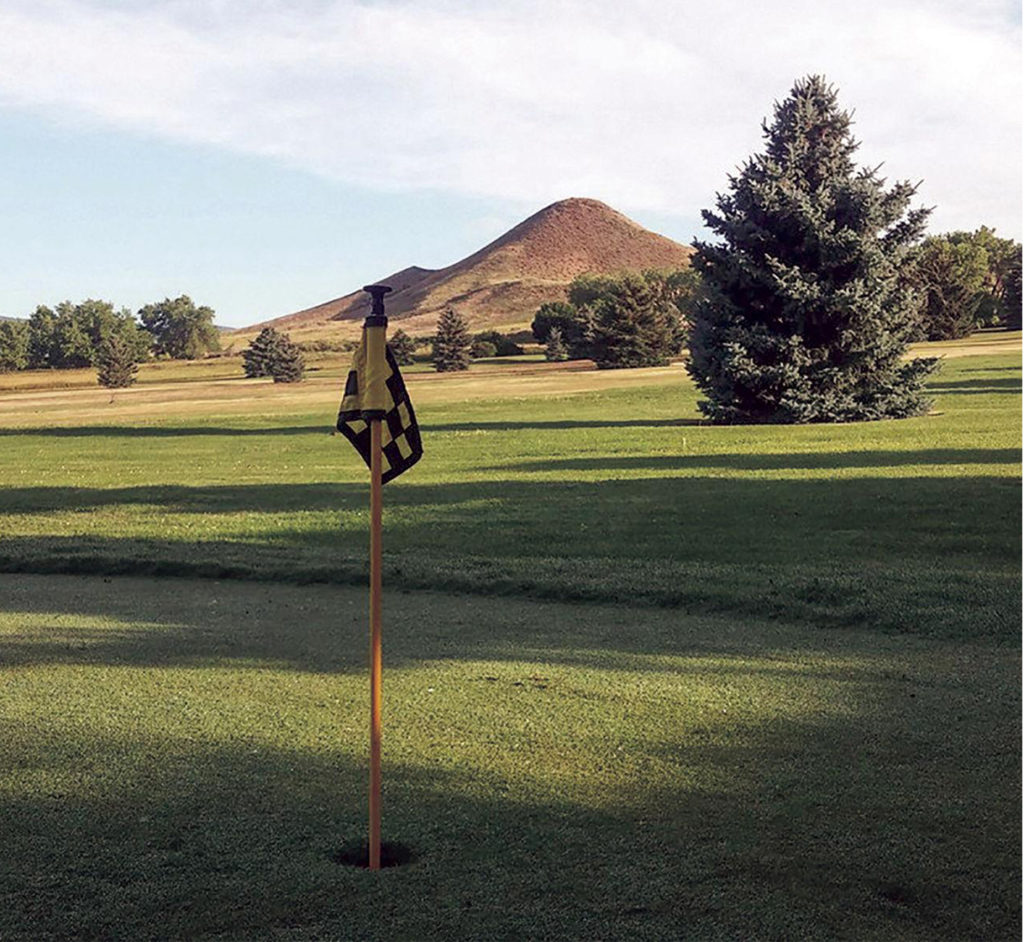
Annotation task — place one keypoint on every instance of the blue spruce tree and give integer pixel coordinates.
(805, 314)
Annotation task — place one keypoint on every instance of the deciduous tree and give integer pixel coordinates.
(13, 346)
(180, 329)
(952, 277)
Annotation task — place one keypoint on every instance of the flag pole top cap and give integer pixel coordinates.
(377, 317)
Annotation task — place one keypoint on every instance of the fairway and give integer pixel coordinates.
(644, 678)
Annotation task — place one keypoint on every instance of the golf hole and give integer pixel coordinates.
(358, 855)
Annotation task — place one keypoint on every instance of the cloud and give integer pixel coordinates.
(647, 106)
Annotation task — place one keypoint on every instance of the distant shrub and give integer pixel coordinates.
(482, 349)
(504, 345)
(326, 346)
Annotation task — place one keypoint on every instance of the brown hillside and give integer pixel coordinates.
(503, 283)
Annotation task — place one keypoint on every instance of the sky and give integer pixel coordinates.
(266, 156)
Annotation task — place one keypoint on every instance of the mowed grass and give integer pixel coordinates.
(181, 759)
(671, 681)
(568, 486)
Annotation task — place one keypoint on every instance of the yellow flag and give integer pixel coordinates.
(375, 389)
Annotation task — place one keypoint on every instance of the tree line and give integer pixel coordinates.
(90, 332)
(801, 311)
(958, 281)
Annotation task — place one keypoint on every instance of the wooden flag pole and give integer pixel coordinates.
(375, 639)
(374, 409)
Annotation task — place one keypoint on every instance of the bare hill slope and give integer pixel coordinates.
(503, 283)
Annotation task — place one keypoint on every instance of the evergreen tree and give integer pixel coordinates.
(804, 316)
(259, 357)
(273, 354)
(555, 349)
(289, 365)
(626, 320)
(403, 347)
(451, 344)
(117, 362)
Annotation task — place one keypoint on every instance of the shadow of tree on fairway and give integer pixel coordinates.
(975, 386)
(559, 424)
(162, 431)
(211, 498)
(882, 817)
(932, 555)
(775, 462)
(1009, 385)
(228, 498)
(159, 623)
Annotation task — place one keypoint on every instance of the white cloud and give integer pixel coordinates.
(646, 105)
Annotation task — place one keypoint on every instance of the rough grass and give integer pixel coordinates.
(181, 760)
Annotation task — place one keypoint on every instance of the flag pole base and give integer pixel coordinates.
(358, 855)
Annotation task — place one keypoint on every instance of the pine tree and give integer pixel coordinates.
(288, 364)
(452, 343)
(258, 357)
(402, 347)
(804, 315)
(626, 320)
(273, 354)
(117, 362)
(555, 349)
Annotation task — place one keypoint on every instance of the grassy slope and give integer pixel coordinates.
(180, 759)
(571, 487)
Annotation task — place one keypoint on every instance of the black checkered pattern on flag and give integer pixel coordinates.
(401, 447)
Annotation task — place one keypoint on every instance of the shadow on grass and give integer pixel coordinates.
(161, 431)
(663, 495)
(932, 555)
(777, 462)
(872, 821)
(975, 385)
(146, 623)
(560, 424)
